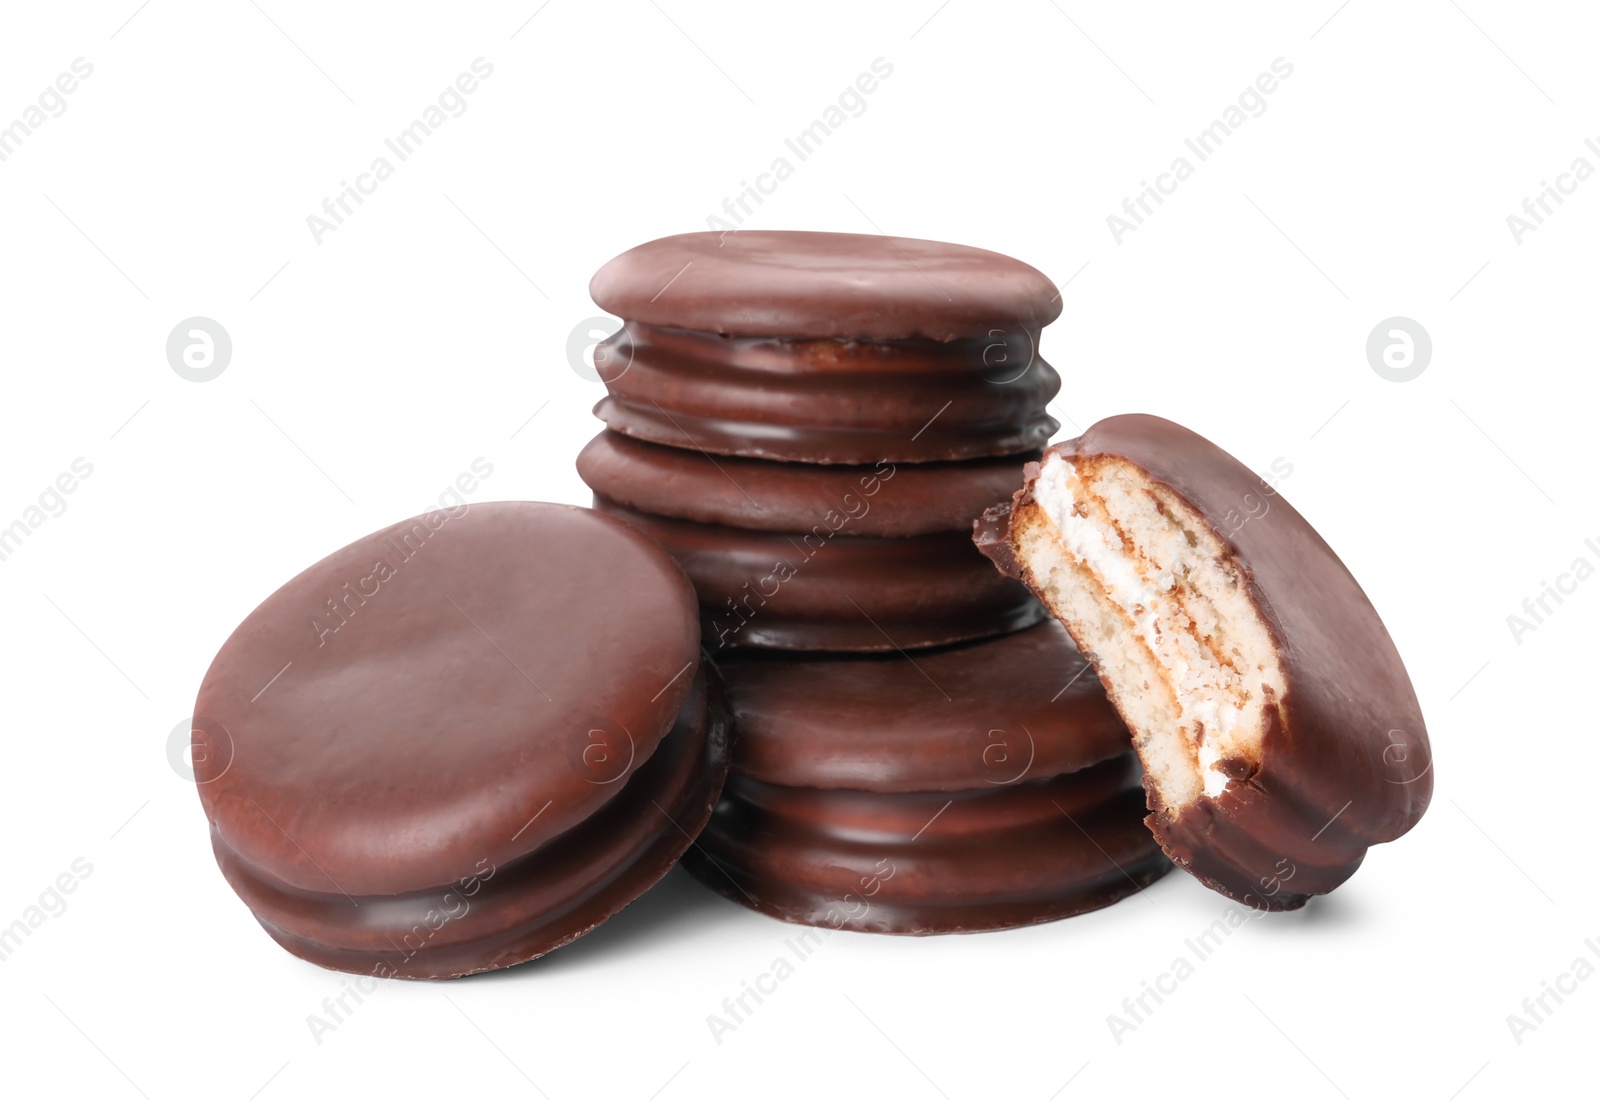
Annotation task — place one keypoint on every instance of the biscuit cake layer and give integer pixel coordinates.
(1157, 603)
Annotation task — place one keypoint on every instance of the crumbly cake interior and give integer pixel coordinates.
(1160, 607)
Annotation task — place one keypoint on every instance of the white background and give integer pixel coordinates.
(372, 368)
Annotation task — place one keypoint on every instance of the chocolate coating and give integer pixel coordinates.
(1345, 758)
(824, 285)
(456, 690)
(883, 499)
(828, 401)
(491, 917)
(821, 590)
(975, 716)
(921, 863)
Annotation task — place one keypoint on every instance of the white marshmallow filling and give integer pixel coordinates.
(1153, 597)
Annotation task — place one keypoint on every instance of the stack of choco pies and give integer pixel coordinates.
(776, 650)
(810, 424)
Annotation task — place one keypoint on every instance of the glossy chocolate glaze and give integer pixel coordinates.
(493, 916)
(824, 285)
(466, 690)
(422, 720)
(885, 499)
(923, 863)
(1346, 762)
(977, 716)
(827, 590)
(828, 401)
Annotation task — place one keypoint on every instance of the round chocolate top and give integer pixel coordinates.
(457, 688)
(1021, 707)
(888, 499)
(844, 286)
